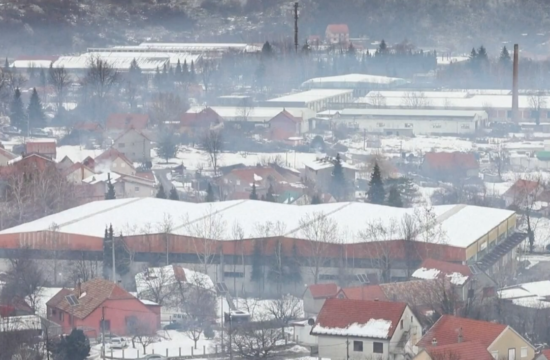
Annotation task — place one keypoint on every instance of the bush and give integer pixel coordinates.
(209, 332)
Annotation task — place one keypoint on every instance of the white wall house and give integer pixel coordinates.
(408, 121)
(361, 329)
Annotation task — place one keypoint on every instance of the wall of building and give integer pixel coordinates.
(509, 339)
(335, 347)
(135, 146)
(302, 335)
(491, 239)
(410, 325)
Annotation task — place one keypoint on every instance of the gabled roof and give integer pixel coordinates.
(432, 269)
(255, 173)
(285, 115)
(451, 160)
(112, 154)
(546, 353)
(40, 147)
(412, 292)
(127, 121)
(358, 318)
(88, 126)
(522, 188)
(204, 117)
(7, 154)
(93, 293)
(129, 131)
(74, 167)
(446, 331)
(469, 350)
(338, 28)
(322, 291)
(369, 292)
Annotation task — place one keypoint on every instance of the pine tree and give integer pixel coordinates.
(267, 49)
(134, 71)
(338, 187)
(178, 70)
(35, 112)
(394, 197)
(74, 346)
(122, 256)
(17, 112)
(6, 64)
(253, 194)
(482, 54)
(316, 200)
(110, 194)
(209, 194)
(185, 71)
(376, 193)
(382, 48)
(269, 196)
(160, 193)
(192, 73)
(351, 50)
(174, 194)
(473, 55)
(293, 264)
(504, 57)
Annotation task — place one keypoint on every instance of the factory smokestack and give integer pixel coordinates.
(515, 91)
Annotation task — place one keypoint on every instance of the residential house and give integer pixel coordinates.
(88, 126)
(337, 34)
(37, 161)
(101, 303)
(363, 329)
(524, 193)
(29, 326)
(6, 157)
(544, 355)
(466, 282)
(319, 172)
(469, 350)
(450, 165)
(115, 161)
(284, 126)
(126, 186)
(77, 172)
(195, 123)
(501, 341)
(135, 145)
(302, 332)
(315, 295)
(42, 147)
(118, 123)
(241, 180)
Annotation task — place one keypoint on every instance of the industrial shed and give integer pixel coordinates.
(315, 99)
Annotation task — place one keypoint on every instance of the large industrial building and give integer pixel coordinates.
(316, 99)
(330, 242)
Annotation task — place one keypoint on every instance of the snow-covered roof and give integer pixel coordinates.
(404, 113)
(374, 328)
(103, 177)
(311, 95)
(27, 64)
(141, 56)
(432, 274)
(353, 80)
(196, 47)
(123, 63)
(460, 225)
(533, 294)
(255, 114)
(326, 163)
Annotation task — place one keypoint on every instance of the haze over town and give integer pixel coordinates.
(364, 180)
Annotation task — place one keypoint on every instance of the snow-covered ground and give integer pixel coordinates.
(260, 309)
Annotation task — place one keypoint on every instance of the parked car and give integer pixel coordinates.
(117, 343)
(11, 130)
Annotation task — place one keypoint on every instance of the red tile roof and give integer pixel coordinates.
(87, 125)
(321, 291)
(41, 147)
(446, 329)
(96, 291)
(446, 268)
(205, 117)
(74, 167)
(521, 188)
(112, 154)
(285, 115)
(451, 160)
(246, 175)
(368, 292)
(546, 353)
(338, 28)
(127, 121)
(469, 350)
(341, 313)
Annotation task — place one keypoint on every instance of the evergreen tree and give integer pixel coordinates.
(376, 193)
(167, 145)
(482, 54)
(209, 194)
(6, 64)
(267, 49)
(43, 80)
(382, 48)
(17, 112)
(394, 197)
(122, 256)
(504, 57)
(293, 264)
(473, 55)
(316, 200)
(253, 194)
(74, 346)
(134, 71)
(185, 71)
(408, 191)
(269, 196)
(178, 70)
(351, 50)
(35, 112)
(192, 73)
(257, 273)
(160, 193)
(110, 194)
(338, 187)
(174, 194)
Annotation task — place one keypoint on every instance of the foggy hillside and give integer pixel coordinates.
(452, 24)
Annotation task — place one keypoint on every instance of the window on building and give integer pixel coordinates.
(401, 324)
(509, 114)
(53, 312)
(524, 352)
(61, 317)
(105, 325)
(377, 347)
(408, 125)
(494, 354)
(121, 145)
(358, 346)
(233, 274)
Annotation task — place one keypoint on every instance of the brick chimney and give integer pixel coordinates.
(434, 342)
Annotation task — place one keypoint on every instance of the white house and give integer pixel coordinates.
(361, 329)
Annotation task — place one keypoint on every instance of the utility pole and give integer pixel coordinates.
(296, 26)
(103, 332)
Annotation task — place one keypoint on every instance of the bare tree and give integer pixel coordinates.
(285, 309)
(165, 228)
(205, 233)
(537, 102)
(206, 73)
(321, 234)
(255, 340)
(60, 79)
(101, 77)
(415, 100)
(244, 109)
(167, 107)
(378, 236)
(157, 284)
(376, 99)
(212, 142)
(83, 269)
(142, 333)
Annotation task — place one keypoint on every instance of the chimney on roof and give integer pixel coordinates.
(376, 299)
(78, 289)
(434, 342)
(460, 335)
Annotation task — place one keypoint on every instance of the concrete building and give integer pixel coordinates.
(135, 145)
(466, 234)
(315, 99)
(408, 122)
(361, 84)
(363, 329)
(319, 172)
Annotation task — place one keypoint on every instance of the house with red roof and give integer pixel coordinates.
(123, 122)
(450, 165)
(114, 160)
(196, 123)
(42, 147)
(241, 180)
(544, 355)
(468, 339)
(284, 126)
(337, 34)
(86, 306)
(524, 193)
(315, 295)
(365, 329)
(77, 172)
(135, 145)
